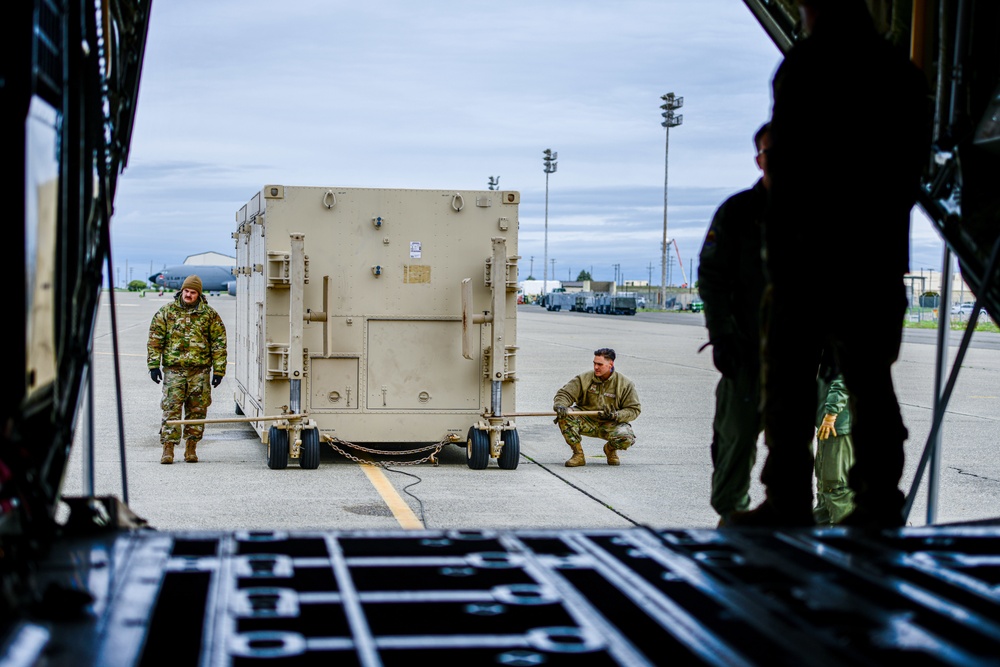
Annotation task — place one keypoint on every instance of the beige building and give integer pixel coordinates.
(210, 259)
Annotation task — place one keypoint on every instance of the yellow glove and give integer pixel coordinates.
(826, 429)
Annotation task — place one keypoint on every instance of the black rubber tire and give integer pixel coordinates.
(477, 449)
(309, 452)
(277, 449)
(510, 453)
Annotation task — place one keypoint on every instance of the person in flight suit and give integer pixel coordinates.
(603, 390)
(834, 453)
(731, 283)
(188, 339)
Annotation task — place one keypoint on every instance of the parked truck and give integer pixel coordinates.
(605, 304)
(377, 316)
(584, 302)
(556, 301)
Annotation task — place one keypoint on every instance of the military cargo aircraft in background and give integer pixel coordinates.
(214, 278)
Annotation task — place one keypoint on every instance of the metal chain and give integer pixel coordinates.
(382, 464)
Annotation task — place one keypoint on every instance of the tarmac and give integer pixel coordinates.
(663, 481)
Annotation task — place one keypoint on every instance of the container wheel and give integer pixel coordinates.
(477, 449)
(309, 452)
(510, 453)
(277, 448)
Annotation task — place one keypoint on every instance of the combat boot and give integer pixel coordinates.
(612, 454)
(189, 454)
(168, 453)
(578, 459)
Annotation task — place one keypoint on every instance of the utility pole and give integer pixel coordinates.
(531, 269)
(550, 166)
(671, 103)
(649, 282)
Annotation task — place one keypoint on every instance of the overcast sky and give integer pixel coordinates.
(236, 94)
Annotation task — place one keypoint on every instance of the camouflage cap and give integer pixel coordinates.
(192, 282)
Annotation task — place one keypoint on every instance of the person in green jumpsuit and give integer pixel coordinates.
(834, 453)
(731, 283)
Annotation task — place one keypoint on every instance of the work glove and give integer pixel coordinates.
(607, 414)
(217, 380)
(155, 375)
(561, 411)
(827, 429)
(726, 355)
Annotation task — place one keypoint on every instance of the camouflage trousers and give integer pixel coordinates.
(186, 395)
(619, 436)
(834, 498)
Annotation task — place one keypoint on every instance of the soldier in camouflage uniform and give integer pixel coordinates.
(188, 339)
(603, 390)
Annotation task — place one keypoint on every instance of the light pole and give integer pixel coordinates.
(670, 104)
(494, 183)
(550, 168)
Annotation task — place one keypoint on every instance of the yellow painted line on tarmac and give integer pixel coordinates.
(404, 515)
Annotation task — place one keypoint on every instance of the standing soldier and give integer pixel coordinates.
(731, 283)
(186, 337)
(834, 453)
(601, 390)
(844, 195)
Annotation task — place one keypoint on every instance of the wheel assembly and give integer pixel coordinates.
(510, 453)
(477, 448)
(277, 448)
(309, 452)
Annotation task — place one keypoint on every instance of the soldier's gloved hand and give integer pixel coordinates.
(561, 411)
(155, 375)
(827, 428)
(217, 380)
(607, 414)
(726, 355)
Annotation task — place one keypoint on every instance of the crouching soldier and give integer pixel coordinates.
(186, 337)
(605, 391)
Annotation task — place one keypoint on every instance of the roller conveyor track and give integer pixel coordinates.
(608, 597)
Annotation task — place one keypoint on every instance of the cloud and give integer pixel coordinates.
(236, 94)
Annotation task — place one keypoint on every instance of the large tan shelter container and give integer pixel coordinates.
(350, 325)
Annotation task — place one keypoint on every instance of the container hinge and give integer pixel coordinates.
(277, 361)
(278, 269)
